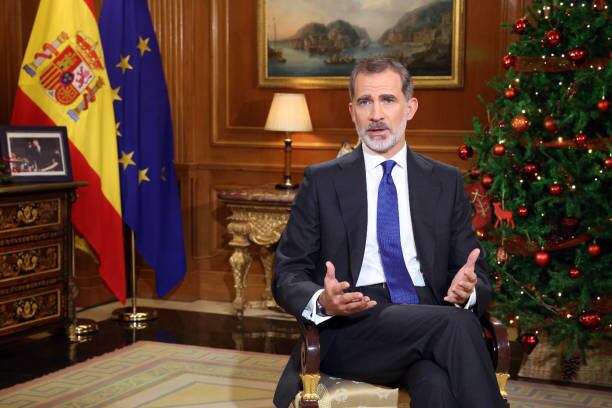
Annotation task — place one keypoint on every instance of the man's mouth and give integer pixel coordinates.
(377, 130)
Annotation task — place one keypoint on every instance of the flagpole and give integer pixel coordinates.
(132, 314)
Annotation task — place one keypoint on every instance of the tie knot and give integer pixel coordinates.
(387, 167)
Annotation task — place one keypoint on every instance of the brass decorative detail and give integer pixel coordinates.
(14, 216)
(24, 311)
(310, 382)
(30, 238)
(502, 379)
(34, 260)
(28, 286)
(267, 256)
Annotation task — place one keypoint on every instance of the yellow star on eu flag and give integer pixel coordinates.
(142, 175)
(143, 45)
(116, 96)
(124, 64)
(126, 160)
(117, 129)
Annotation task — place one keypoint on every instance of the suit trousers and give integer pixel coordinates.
(381, 345)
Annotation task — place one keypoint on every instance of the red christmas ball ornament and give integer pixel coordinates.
(508, 61)
(465, 152)
(577, 55)
(603, 105)
(574, 273)
(580, 139)
(529, 341)
(531, 169)
(594, 249)
(590, 319)
(499, 149)
(550, 124)
(474, 173)
(608, 163)
(487, 180)
(509, 93)
(522, 211)
(553, 37)
(502, 124)
(521, 25)
(599, 5)
(542, 258)
(555, 189)
(520, 123)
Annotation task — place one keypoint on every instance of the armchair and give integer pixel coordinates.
(321, 390)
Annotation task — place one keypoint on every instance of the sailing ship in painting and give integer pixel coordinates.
(420, 39)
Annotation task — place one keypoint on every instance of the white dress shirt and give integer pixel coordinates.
(372, 271)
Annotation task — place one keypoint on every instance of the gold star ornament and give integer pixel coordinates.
(126, 160)
(143, 45)
(142, 175)
(124, 64)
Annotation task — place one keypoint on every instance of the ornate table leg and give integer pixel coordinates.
(267, 256)
(240, 261)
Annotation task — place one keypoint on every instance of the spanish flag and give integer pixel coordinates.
(63, 82)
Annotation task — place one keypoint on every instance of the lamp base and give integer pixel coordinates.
(287, 186)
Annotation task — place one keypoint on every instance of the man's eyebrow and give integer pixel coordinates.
(364, 97)
(388, 96)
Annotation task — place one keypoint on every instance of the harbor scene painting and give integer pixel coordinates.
(315, 43)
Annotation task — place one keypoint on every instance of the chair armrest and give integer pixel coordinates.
(310, 361)
(497, 342)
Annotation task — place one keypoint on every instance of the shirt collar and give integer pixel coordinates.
(372, 160)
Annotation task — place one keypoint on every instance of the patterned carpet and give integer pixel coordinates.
(156, 375)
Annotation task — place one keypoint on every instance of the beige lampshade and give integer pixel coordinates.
(289, 113)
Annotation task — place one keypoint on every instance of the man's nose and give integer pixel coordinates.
(376, 112)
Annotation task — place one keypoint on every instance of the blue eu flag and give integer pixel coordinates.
(149, 191)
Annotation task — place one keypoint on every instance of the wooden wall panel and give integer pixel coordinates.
(209, 56)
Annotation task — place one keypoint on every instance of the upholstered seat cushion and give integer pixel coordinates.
(339, 393)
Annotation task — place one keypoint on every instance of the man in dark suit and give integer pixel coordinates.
(380, 253)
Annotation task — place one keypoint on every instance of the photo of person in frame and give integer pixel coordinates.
(35, 155)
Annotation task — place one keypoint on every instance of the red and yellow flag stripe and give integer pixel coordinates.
(89, 118)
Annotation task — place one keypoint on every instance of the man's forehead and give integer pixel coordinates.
(386, 82)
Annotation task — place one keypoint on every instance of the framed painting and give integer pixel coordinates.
(316, 43)
(36, 154)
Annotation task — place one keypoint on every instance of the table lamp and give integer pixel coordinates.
(288, 113)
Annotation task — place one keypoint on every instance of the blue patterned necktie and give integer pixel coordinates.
(399, 281)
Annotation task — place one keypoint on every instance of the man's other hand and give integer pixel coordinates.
(337, 302)
(464, 281)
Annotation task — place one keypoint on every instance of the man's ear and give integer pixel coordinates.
(413, 106)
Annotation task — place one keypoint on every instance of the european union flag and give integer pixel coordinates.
(149, 190)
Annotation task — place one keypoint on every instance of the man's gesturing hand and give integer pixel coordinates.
(464, 281)
(336, 301)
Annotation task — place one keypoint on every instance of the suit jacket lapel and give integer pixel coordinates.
(423, 198)
(350, 184)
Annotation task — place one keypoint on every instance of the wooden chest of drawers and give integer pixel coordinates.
(36, 285)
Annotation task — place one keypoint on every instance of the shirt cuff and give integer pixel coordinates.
(471, 301)
(310, 311)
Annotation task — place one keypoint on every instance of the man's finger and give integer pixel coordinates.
(472, 258)
(331, 270)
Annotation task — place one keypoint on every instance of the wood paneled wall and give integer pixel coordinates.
(209, 51)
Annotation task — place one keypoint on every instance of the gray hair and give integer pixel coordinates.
(377, 65)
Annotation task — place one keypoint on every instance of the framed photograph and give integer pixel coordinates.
(316, 43)
(36, 154)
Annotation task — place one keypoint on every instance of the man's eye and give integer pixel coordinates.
(363, 102)
(389, 100)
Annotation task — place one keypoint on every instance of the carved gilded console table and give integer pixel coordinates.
(258, 216)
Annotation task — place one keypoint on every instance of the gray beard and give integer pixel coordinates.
(381, 146)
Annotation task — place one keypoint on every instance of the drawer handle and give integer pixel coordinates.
(27, 215)
(27, 262)
(26, 309)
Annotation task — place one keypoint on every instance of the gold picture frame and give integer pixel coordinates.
(311, 69)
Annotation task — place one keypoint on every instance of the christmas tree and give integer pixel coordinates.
(541, 181)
